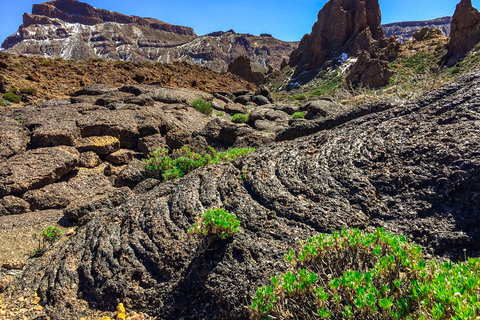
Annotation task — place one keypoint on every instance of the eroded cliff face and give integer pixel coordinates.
(343, 26)
(76, 30)
(404, 30)
(465, 32)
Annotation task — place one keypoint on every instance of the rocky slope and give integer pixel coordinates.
(56, 78)
(404, 30)
(76, 30)
(412, 168)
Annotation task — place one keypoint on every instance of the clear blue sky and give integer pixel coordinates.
(285, 20)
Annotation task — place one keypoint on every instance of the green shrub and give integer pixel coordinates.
(29, 91)
(48, 237)
(164, 167)
(352, 274)
(298, 115)
(214, 224)
(46, 62)
(239, 118)
(220, 114)
(203, 106)
(12, 97)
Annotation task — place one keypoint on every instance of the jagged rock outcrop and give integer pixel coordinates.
(427, 34)
(412, 168)
(465, 32)
(75, 30)
(242, 67)
(344, 28)
(404, 30)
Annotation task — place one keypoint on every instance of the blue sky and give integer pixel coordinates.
(286, 20)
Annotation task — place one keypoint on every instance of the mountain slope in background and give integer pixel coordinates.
(76, 30)
(405, 30)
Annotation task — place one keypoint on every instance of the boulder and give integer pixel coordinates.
(36, 168)
(131, 175)
(260, 100)
(85, 184)
(83, 210)
(321, 108)
(89, 159)
(151, 143)
(121, 156)
(242, 67)
(223, 134)
(100, 145)
(264, 91)
(369, 71)
(465, 31)
(13, 138)
(14, 205)
(268, 114)
(55, 134)
(233, 108)
(121, 124)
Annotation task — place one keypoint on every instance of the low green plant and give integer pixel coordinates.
(212, 225)
(370, 275)
(203, 106)
(47, 238)
(239, 118)
(29, 91)
(165, 167)
(12, 97)
(46, 62)
(298, 115)
(220, 113)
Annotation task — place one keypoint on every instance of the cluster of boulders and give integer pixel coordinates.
(84, 153)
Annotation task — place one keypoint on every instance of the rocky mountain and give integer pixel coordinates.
(465, 31)
(412, 168)
(345, 29)
(404, 30)
(74, 30)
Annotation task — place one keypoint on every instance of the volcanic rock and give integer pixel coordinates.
(13, 138)
(36, 168)
(86, 184)
(427, 34)
(100, 145)
(243, 68)
(369, 71)
(343, 27)
(14, 205)
(465, 32)
(412, 168)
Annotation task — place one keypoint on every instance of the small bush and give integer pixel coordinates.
(203, 106)
(12, 97)
(370, 276)
(160, 165)
(48, 237)
(46, 62)
(29, 91)
(220, 114)
(212, 225)
(298, 115)
(239, 118)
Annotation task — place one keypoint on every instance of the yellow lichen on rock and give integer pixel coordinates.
(121, 312)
